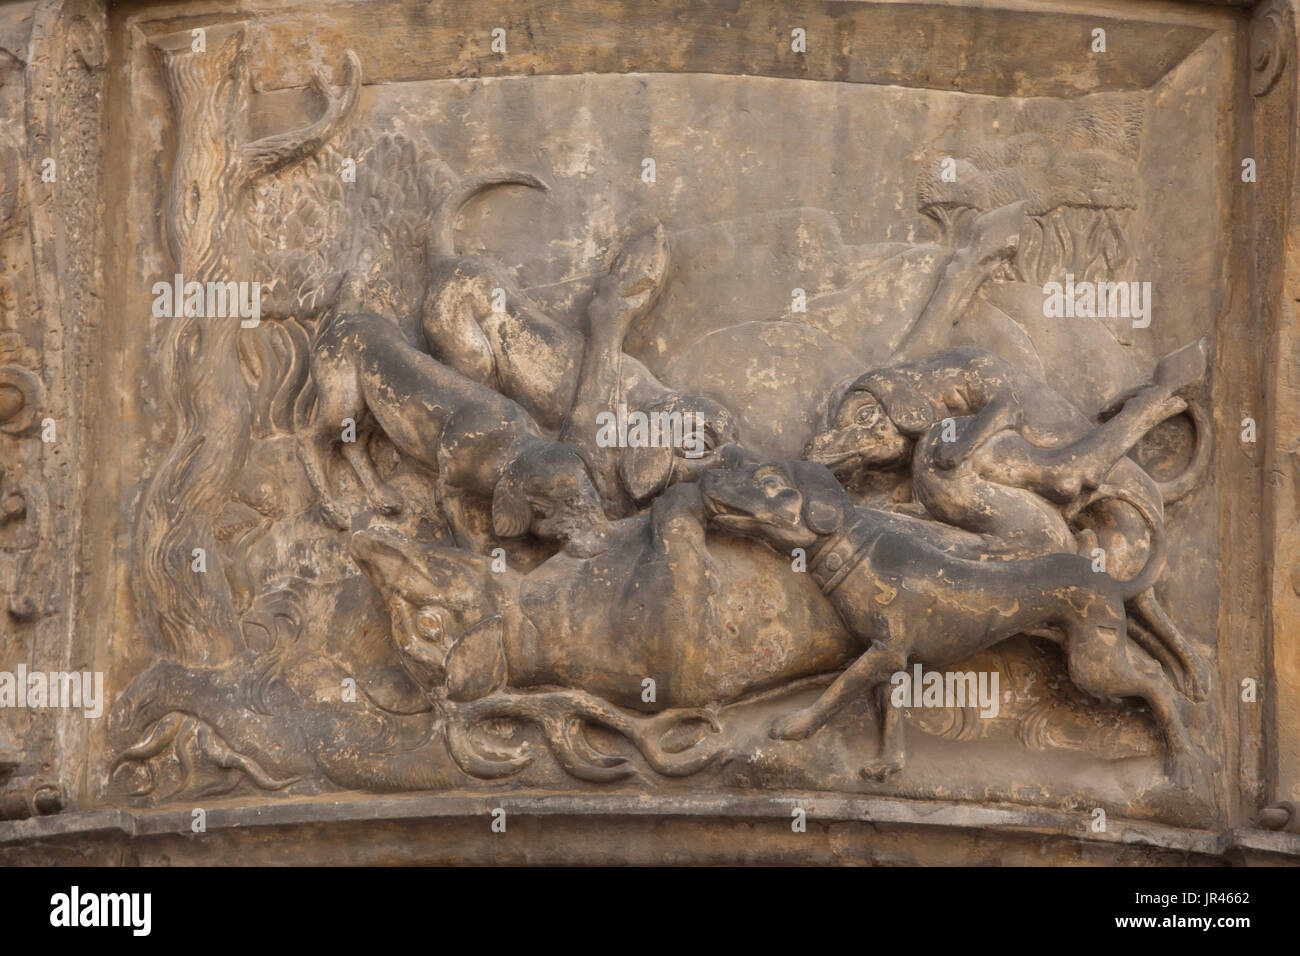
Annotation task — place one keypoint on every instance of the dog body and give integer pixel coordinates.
(910, 599)
(464, 431)
(477, 321)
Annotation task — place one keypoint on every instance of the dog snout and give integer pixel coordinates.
(822, 445)
(839, 448)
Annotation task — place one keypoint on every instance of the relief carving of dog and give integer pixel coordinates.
(913, 596)
(1024, 462)
(531, 358)
(470, 435)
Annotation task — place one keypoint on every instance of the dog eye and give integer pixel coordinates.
(867, 413)
(771, 484)
(428, 623)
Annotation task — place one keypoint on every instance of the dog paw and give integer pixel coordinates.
(881, 769)
(794, 726)
(1196, 682)
(334, 516)
(1185, 773)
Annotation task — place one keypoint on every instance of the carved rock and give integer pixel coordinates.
(396, 417)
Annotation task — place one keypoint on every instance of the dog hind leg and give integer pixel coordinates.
(1100, 663)
(1140, 635)
(314, 445)
(1156, 618)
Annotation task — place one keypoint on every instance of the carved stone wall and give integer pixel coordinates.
(657, 423)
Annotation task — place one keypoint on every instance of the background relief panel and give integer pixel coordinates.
(691, 411)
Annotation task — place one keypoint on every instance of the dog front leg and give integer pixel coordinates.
(380, 494)
(872, 668)
(460, 525)
(893, 739)
(312, 450)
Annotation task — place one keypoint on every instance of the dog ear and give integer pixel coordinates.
(830, 405)
(903, 402)
(512, 512)
(645, 471)
(476, 663)
(824, 501)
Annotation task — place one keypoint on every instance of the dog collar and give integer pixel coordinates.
(836, 558)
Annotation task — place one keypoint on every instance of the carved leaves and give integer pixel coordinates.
(310, 226)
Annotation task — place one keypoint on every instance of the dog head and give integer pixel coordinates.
(871, 423)
(703, 425)
(547, 490)
(448, 633)
(787, 504)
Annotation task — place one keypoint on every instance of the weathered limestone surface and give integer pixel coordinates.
(329, 336)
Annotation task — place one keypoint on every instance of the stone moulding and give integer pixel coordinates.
(418, 829)
(362, 564)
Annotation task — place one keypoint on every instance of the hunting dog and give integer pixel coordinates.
(920, 597)
(478, 321)
(1025, 464)
(479, 442)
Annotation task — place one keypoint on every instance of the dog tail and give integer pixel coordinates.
(1182, 484)
(1155, 563)
(440, 242)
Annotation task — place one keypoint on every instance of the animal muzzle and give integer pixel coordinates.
(837, 448)
(723, 494)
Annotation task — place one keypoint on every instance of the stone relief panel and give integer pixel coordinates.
(936, 521)
(381, 412)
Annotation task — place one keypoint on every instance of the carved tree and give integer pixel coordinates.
(193, 613)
